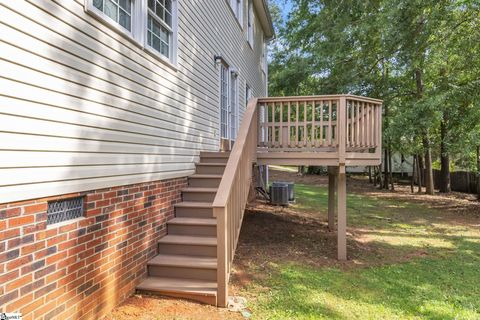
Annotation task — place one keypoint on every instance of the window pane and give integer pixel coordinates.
(111, 10)
(126, 5)
(98, 4)
(164, 49)
(156, 43)
(124, 20)
(159, 12)
(168, 5)
(168, 19)
(151, 4)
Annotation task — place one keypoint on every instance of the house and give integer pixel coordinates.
(105, 107)
(113, 116)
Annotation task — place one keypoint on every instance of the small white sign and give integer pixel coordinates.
(10, 316)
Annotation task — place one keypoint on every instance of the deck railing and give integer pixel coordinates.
(230, 202)
(312, 123)
(341, 127)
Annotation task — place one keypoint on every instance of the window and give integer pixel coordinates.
(120, 11)
(151, 23)
(237, 7)
(250, 22)
(64, 210)
(248, 94)
(233, 105)
(159, 26)
(264, 62)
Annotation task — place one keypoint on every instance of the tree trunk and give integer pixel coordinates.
(412, 183)
(444, 160)
(370, 174)
(420, 173)
(390, 168)
(429, 189)
(478, 171)
(385, 168)
(380, 178)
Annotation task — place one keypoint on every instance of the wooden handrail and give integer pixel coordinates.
(231, 199)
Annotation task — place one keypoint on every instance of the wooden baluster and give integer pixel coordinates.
(362, 128)
(357, 124)
(273, 125)
(280, 130)
(369, 125)
(321, 122)
(288, 123)
(304, 124)
(352, 123)
(347, 136)
(329, 133)
(297, 136)
(312, 143)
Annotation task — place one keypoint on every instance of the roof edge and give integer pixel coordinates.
(265, 18)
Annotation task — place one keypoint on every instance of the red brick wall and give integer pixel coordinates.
(84, 268)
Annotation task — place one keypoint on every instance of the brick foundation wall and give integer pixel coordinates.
(84, 268)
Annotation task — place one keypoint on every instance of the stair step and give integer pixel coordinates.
(199, 194)
(188, 240)
(215, 154)
(193, 221)
(193, 204)
(210, 168)
(179, 244)
(204, 180)
(183, 266)
(198, 290)
(192, 226)
(214, 157)
(193, 209)
(174, 260)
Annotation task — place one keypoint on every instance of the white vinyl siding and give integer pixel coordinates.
(82, 107)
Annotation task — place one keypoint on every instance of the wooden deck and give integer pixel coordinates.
(195, 257)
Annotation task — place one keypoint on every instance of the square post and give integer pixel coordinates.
(332, 177)
(342, 213)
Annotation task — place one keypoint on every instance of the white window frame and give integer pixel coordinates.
(138, 33)
(250, 24)
(237, 10)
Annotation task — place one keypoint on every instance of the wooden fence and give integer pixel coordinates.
(460, 181)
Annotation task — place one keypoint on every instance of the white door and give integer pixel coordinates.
(228, 103)
(224, 102)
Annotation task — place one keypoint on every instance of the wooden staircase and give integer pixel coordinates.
(186, 266)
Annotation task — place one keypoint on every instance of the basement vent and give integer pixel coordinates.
(64, 210)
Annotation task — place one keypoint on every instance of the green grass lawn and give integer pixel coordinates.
(439, 279)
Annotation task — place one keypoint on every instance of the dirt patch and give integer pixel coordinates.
(146, 307)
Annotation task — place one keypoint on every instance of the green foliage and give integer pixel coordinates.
(422, 57)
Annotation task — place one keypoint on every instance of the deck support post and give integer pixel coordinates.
(332, 177)
(342, 213)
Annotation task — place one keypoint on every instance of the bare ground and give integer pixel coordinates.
(272, 235)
